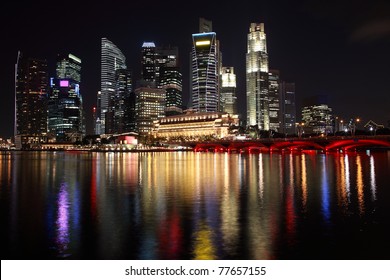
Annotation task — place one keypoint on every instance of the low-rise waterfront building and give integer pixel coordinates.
(193, 125)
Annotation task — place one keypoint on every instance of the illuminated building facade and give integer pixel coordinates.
(31, 86)
(66, 121)
(172, 82)
(160, 69)
(121, 104)
(112, 59)
(287, 108)
(148, 62)
(149, 107)
(205, 71)
(166, 57)
(228, 91)
(194, 125)
(317, 116)
(257, 78)
(274, 100)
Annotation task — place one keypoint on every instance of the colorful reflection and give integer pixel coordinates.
(188, 205)
(204, 248)
(325, 191)
(360, 184)
(372, 177)
(62, 222)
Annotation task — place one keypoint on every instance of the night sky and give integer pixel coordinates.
(337, 48)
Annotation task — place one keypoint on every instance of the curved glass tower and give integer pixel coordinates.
(112, 59)
(205, 74)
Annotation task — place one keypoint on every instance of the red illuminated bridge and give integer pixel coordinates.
(325, 144)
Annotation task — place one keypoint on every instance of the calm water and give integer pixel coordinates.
(187, 205)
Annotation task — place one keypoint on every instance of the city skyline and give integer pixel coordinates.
(341, 55)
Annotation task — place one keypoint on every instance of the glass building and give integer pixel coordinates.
(228, 91)
(317, 115)
(149, 107)
(274, 100)
(31, 87)
(205, 92)
(257, 78)
(66, 120)
(124, 87)
(287, 108)
(172, 82)
(112, 59)
(148, 70)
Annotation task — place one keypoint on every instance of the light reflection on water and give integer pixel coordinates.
(193, 205)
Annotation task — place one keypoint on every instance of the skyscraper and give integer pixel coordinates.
(317, 115)
(166, 57)
(274, 100)
(124, 87)
(148, 62)
(112, 59)
(228, 91)
(287, 108)
(66, 120)
(205, 71)
(257, 77)
(31, 86)
(149, 107)
(171, 81)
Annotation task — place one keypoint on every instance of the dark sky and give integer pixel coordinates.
(338, 48)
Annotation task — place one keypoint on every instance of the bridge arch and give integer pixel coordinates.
(354, 143)
(296, 144)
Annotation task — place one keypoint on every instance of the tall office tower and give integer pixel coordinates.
(112, 59)
(148, 62)
(205, 72)
(96, 120)
(149, 107)
(287, 108)
(172, 82)
(166, 57)
(130, 116)
(274, 100)
(228, 90)
(66, 120)
(124, 87)
(69, 67)
(257, 78)
(31, 86)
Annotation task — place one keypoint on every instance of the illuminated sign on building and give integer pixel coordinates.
(64, 83)
(202, 43)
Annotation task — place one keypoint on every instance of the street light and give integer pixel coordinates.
(354, 124)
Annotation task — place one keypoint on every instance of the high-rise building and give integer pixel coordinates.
(96, 113)
(317, 115)
(66, 119)
(160, 69)
(228, 91)
(124, 87)
(166, 57)
(148, 62)
(69, 67)
(149, 107)
(257, 78)
(274, 100)
(112, 59)
(31, 86)
(172, 82)
(205, 70)
(287, 108)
